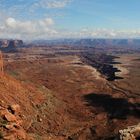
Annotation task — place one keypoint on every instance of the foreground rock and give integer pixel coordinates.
(131, 133)
(11, 123)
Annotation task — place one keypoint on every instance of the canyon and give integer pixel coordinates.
(68, 92)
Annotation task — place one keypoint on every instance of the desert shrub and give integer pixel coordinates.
(1, 135)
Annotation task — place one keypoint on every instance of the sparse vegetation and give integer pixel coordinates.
(3, 122)
(13, 73)
(1, 135)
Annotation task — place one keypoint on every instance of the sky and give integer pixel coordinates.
(54, 19)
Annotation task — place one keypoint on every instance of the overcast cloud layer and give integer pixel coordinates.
(30, 19)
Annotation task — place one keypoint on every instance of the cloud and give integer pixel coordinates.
(54, 3)
(50, 4)
(99, 33)
(45, 29)
(47, 21)
(31, 8)
(29, 19)
(110, 33)
(27, 29)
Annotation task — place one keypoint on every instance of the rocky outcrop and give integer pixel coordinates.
(130, 133)
(5, 43)
(11, 123)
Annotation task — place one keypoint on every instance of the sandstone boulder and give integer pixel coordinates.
(130, 133)
(15, 108)
(10, 117)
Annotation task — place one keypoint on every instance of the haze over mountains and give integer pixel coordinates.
(91, 42)
(11, 43)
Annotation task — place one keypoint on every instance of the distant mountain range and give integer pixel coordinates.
(90, 42)
(7, 44)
